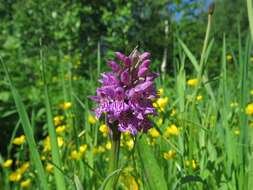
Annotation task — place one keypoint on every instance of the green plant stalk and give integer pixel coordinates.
(59, 178)
(28, 132)
(202, 58)
(114, 158)
(250, 16)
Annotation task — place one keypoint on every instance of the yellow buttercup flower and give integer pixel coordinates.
(92, 120)
(162, 103)
(194, 164)
(229, 57)
(25, 183)
(237, 132)
(160, 92)
(99, 149)
(75, 155)
(249, 109)
(83, 148)
(108, 145)
(159, 122)
(23, 168)
(66, 105)
(173, 112)
(58, 120)
(233, 104)
(15, 176)
(192, 82)
(60, 129)
(172, 130)
(169, 155)
(104, 129)
(154, 133)
(19, 140)
(199, 98)
(49, 167)
(7, 163)
(47, 145)
(130, 144)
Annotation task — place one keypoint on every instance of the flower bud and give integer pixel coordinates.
(124, 77)
(142, 71)
(144, 56)
(145, 63)
(127, 61)
(114, 66)
(120, 56)
(211, 8)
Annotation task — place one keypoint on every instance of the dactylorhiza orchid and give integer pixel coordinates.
(125, 97)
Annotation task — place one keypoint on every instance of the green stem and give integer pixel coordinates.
(114, 159)
(250, 16)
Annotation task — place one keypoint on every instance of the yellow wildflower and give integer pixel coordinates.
(23, 168)
(192, 82)
(60, 129)
(154, 133)
(155, 105)
(199, 98)
(15, 176)
(172, 130)
(159, 121)
(162, 103)
(25, 183)
(47, 145)
(66, 58)
(7, 163)
(75, 155)
(104, 129)
(74, 77)
(108, 145)
(49, 167)
(194, 164)
(83, 148)
(58, 120)
(173, 112)
(233, 104)
(92, 120)
(99, 149)
(169, 155)
(237, 132)
(160, 92)
(130, 182)
(19, 140)
(187, 163)
(249, 109)
(130, 144)
(66, 105)
(229, 57)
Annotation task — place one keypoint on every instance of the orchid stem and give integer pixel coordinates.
(114, 159)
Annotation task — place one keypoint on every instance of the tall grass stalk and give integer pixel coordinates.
(28, 132)
(59, 177)
(250, 16)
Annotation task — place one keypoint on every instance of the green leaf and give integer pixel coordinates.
(151, 169)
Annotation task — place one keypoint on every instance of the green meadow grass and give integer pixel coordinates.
(201, 137)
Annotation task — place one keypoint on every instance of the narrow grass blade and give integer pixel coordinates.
(59, 178)
(151, 169)
(28, 133)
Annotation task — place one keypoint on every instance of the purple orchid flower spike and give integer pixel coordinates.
(125, 97)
